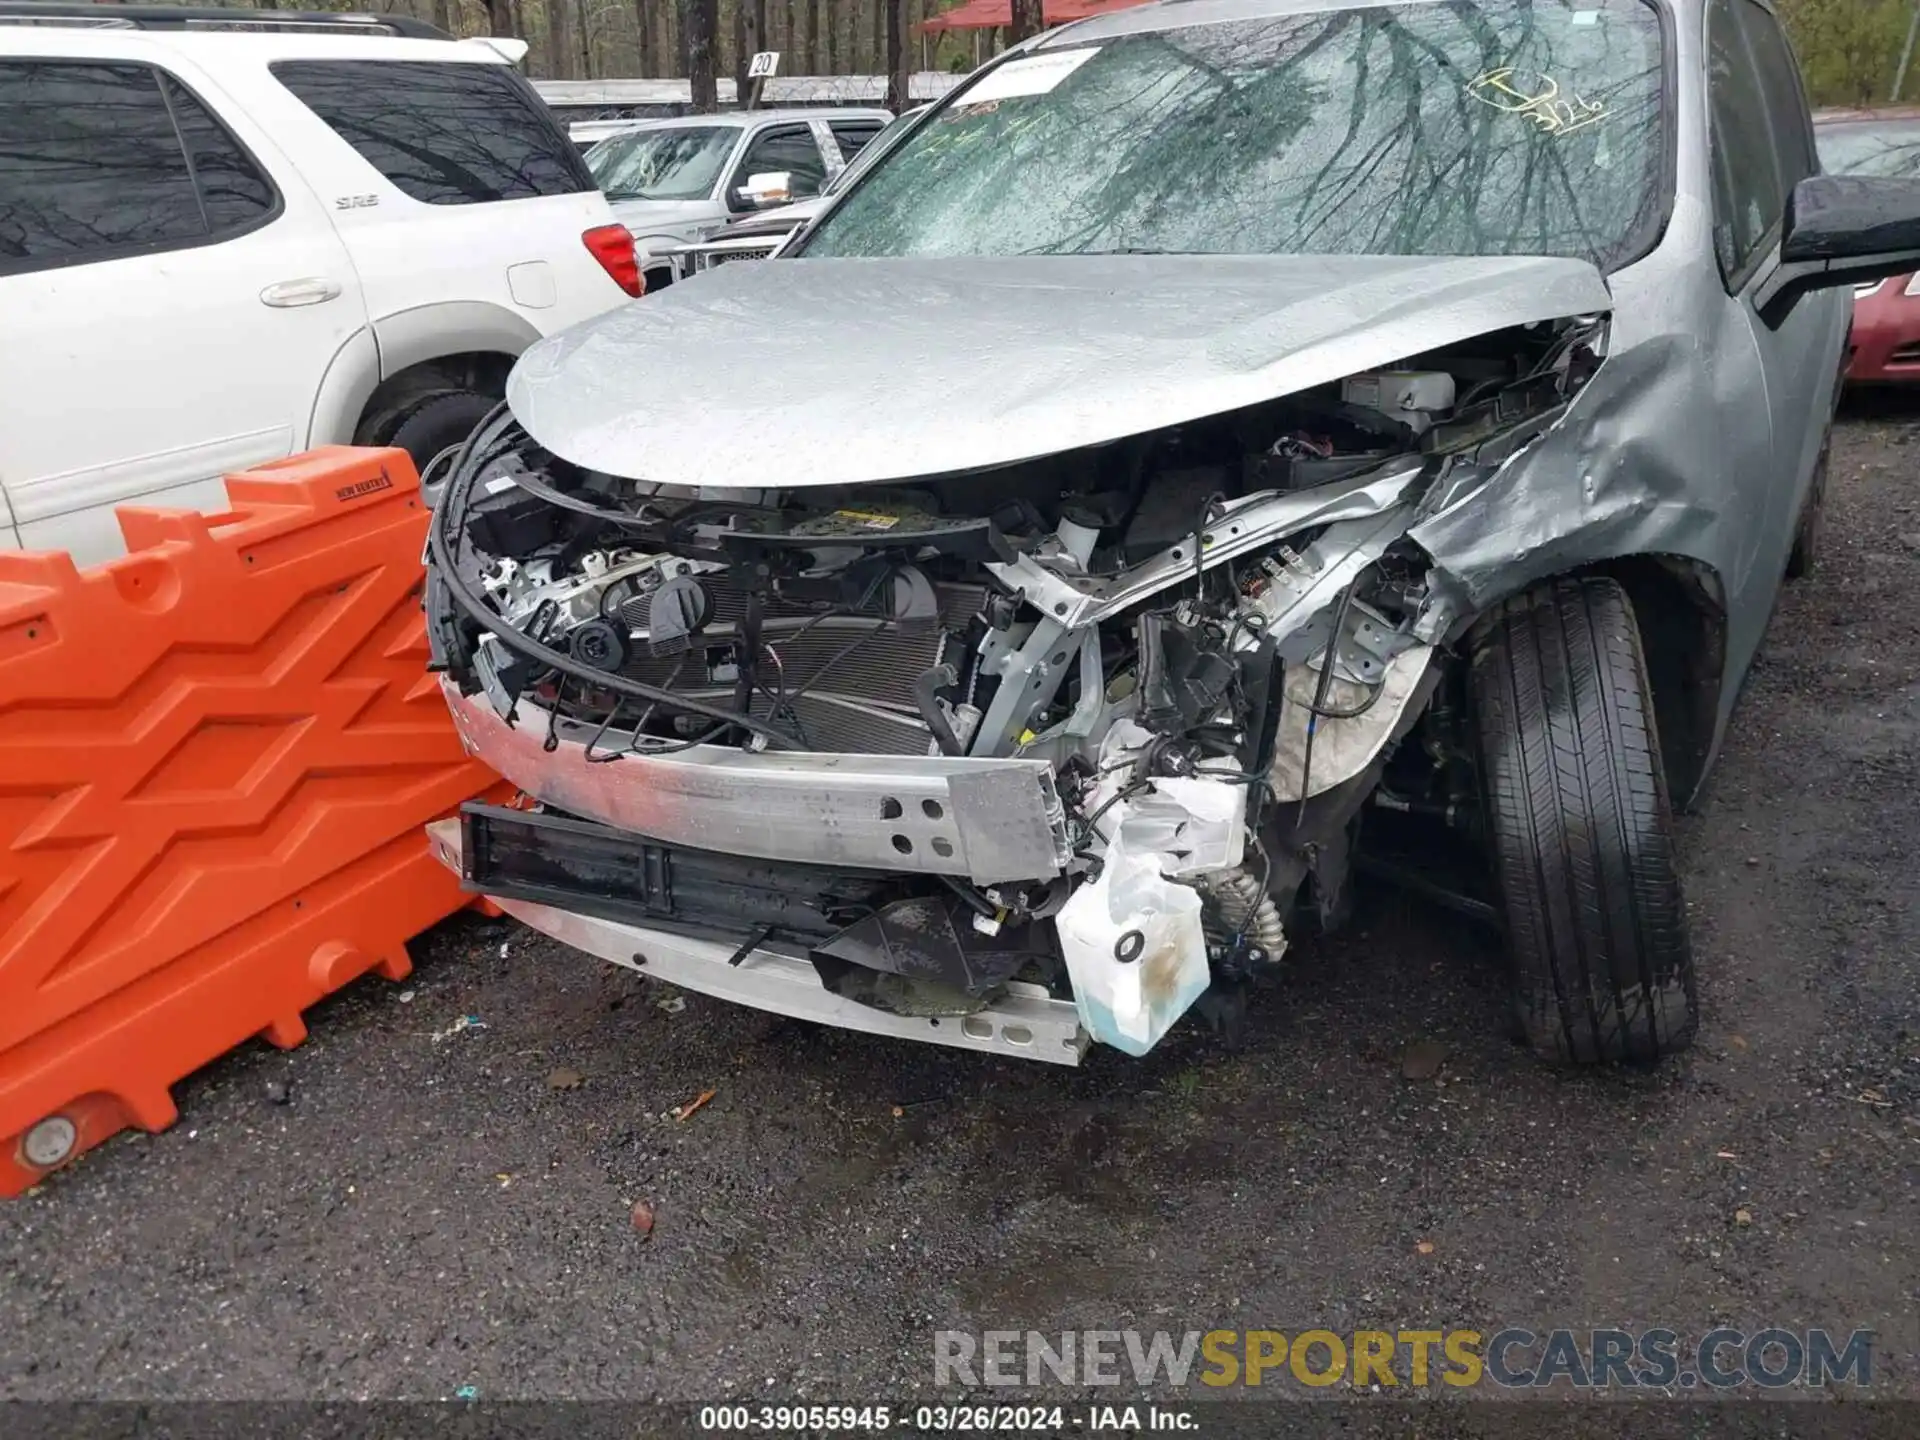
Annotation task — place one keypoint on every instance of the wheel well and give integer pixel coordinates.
(1679, 607)
(657, 277)
(484, 371)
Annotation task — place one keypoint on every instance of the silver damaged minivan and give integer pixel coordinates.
(1227, 444)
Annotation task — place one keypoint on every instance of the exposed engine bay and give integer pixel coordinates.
(1096, 728)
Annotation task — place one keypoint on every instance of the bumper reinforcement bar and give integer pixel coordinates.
(989, 820)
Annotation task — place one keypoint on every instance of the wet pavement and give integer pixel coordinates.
(406, 1205)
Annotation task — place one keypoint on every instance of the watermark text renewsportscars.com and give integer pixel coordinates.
(1511, 1358)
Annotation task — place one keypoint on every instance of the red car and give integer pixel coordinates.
(1885, 344)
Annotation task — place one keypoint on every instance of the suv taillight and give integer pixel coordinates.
(612, 246)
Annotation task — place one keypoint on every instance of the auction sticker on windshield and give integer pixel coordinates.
(1029, 75)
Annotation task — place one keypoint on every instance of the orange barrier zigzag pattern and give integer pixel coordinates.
(217, 754)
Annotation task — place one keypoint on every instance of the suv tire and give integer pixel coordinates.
(1580, 828)
(435, 427)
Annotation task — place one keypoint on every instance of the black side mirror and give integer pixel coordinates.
(1850, 217)
(1842, 230)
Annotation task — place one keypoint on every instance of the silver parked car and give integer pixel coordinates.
(1217, 425)
(672, 182)
(756, 236)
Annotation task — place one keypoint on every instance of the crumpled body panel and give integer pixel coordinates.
(1695, 440)
(828, 372)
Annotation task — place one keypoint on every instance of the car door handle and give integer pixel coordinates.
(288, 293)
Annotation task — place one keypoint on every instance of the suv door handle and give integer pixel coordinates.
(289, 293)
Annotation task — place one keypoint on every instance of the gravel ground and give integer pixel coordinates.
(388, 1211)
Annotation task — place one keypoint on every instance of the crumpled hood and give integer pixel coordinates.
(823, 372)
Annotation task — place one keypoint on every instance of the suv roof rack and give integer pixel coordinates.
(113, 15)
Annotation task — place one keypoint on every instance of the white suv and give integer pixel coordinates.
(221, 246)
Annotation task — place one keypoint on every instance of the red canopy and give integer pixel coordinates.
(990, 14)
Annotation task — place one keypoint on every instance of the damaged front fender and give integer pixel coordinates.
(1614, 477)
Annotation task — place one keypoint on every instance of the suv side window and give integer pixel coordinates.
(233, 192)
(791, 148)
(108, 160)
(444, 132)
(852, 136)
(1748, 198)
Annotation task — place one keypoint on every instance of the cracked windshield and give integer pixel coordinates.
(1520, 127)
(667, 164)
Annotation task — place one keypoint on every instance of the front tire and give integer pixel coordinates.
(433, 431)
(1580, 827)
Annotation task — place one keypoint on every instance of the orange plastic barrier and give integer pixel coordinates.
(217, 754)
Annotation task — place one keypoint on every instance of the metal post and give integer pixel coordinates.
(1906, 55)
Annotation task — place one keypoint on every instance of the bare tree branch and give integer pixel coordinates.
(1027, 19)
(699, 22)
(898, 68)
